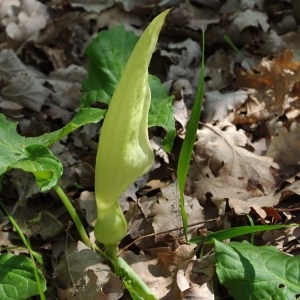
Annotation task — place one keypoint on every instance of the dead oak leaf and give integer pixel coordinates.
(167, 215)
(10, 64)
(275, 81)
(152, 272)
(284, 148)
(224, 149)
(173, 259)
(207, 186)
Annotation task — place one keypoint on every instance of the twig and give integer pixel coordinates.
(163, 232)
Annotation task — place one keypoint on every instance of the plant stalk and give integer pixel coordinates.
(71, 210)
(111, 251)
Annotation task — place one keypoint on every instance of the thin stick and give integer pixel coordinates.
(141, 237)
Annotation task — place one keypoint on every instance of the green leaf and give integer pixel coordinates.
(82, 117)
(255, 273)
(17, 152)
(235, 232)
(40, 161)
(17, 277)
(32, 154)
(108, 54)
(161, 111)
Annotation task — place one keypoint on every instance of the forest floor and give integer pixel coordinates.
(246, 158)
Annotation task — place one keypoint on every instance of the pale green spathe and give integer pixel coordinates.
(124, 152)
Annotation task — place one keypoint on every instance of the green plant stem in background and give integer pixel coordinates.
(252, 224)
(188, 143)
(72, 212)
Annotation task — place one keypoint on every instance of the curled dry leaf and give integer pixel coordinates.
(284, 148)
(251, 18)
(243, 207)
(87, 203)
(287, 240)
(188, 60)
(24, 19)
(173, 259)
(194, 276)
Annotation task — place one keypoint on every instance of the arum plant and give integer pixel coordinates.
(124, 152)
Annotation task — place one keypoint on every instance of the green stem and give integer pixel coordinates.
(111, 251)
(133, 282)
(252, 224)
(71, 210)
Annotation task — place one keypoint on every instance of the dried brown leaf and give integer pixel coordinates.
(151, 272)
(243, 207)
(193, 278)
(273, 80)
(284, 148)
(217, 106)
(167, 215)
(81, 267)
(222, 147)
(21, 84)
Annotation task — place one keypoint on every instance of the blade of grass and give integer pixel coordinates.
(235, 232)
(233, 46)
(188, 143)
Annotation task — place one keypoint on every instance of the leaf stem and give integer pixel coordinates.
(71, 210)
